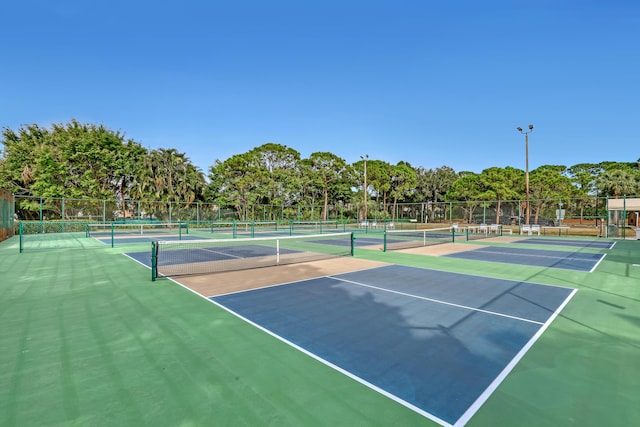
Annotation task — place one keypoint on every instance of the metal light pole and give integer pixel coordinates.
(526, 178)
(365, 158)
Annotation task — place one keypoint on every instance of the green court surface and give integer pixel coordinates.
(87, 338)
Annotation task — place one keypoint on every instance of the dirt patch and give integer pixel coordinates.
(442, 249)
(235, 281)
(507, 239)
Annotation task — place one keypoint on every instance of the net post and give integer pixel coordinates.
(234, 229)
(154, 261)
(113, 232)
(86, 230)
(353, 243)
(253, 228)
(453, 235)
(291, 228)
(467, 233)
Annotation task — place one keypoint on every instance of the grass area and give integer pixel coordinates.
(88, 339)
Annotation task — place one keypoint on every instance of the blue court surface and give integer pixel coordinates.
(594, 244)
(436, 342)
(580, 261)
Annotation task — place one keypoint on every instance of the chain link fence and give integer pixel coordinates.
(580, 213)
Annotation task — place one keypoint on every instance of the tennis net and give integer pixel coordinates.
(404, 239)
(177, 258)
(102, 230)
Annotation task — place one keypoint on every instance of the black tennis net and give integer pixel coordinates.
(177, 258)
(404, 239)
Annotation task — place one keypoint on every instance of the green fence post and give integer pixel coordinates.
(384, 241)
(353, 243)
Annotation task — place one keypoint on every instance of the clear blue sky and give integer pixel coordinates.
(432, 82)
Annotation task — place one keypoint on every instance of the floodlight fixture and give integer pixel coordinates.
(526, 144)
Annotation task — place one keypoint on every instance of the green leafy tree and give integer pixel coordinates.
(326, 172)
(168, 176)
(233, 182)
(548, 186)
(278, 175)
(618, 182)
(71, 160)
(467, 188)
(501, 184)
(432, 185)
(403, 183)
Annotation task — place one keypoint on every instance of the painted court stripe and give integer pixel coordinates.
(569, 255)
(438, 301)
(498, 380)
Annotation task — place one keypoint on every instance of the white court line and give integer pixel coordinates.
(538, 255)
(597, 263)
(468, 414)
(496, 382)
(438, 301)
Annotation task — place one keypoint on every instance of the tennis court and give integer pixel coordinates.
(380, 326)
(567, 260)
(374, 338)
(175, 258)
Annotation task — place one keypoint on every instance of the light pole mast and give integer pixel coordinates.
(365, 158)
(526, 176)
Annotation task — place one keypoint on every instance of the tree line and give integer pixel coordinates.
(78, 160)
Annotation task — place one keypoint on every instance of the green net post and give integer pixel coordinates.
(154, 261)
(353, 243)
(113, 233)
(179, 231)
(86, 230)
(453, 235)
(21, 233)
(253, 229)
(291, 228)
(234, 229)
(384, 242)
(467, 233)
